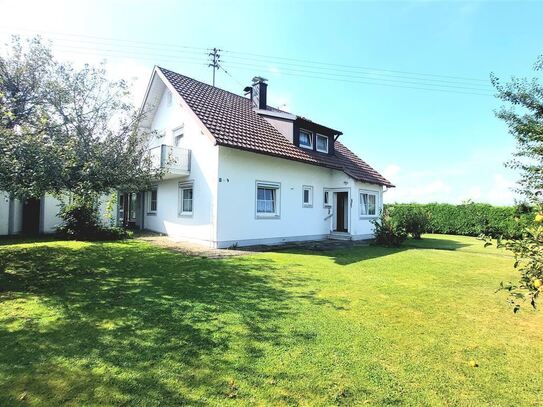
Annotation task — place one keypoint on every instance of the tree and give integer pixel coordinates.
(524, 118)
(67, 130)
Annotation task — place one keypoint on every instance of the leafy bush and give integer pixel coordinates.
(414, 219)
(471, 219)
(81, 221)
(388, 231)
(528, 252)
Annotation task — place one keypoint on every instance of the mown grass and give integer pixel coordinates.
(132, 324)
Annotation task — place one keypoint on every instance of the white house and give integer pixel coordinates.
(242, 173)
(238, 173)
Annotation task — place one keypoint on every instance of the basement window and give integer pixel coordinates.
(306, 139)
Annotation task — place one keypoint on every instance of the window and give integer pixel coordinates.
(326, 198)
(267, 200)
(368, 203)
(307, 196)
(185, 199)
(322, 143)
(152, 201)
(178, 134)
(306, 139)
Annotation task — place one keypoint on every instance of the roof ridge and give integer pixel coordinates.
(232, 121)
(203, 83)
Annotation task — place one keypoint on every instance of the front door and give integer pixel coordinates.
(341, 211)
(31, 216)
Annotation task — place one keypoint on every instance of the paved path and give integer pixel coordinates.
(194, 249)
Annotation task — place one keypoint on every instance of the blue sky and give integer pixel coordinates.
(435, 145)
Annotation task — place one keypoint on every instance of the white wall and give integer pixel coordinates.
(4, 213)
(237, 221)
(50, 214)
(17, 216)
(203, 174)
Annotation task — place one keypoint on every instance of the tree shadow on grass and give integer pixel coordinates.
(130, 323)
(353, 253)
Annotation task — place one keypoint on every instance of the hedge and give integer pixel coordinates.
(472, 219)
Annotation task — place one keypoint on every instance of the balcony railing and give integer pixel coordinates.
(174, 160)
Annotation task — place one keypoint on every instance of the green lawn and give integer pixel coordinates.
(132, 324)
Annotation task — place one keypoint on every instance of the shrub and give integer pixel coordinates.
(471, 219)
(388, 231)
(414, 219)
(80, 220)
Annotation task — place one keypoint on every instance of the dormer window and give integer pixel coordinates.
(322, 143)
(306, 139)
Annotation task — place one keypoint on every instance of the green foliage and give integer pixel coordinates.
(389, 231)
(471, 219)
(528, 251)
(81, 221)
(524, 118)
(110, 209)
(64, 129)
(415, 219)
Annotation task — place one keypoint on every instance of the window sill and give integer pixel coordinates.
(367, 217)
(151, 213)
(307, 206)
(185, 215)
(306, 147)
(322, 151)
(264, 216)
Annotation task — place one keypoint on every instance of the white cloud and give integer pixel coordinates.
(501, 191)
(391, 171)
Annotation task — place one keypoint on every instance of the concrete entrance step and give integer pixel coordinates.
(340, 236)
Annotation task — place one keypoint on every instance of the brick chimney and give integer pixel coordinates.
(258, 92)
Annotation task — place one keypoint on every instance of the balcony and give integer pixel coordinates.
(174, 161)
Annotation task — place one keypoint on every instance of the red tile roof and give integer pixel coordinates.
(231, 119)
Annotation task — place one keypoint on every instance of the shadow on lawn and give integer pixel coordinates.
(135, 323)
(353, 253)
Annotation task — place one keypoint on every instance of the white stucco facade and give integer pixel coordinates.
(238, 222)
(224, 186)
(220, 184)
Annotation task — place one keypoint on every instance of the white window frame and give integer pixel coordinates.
(182, 186)
(326, 194)
(149, 200)
(178, 133)
(277, 196)
(317, 143)
(310, 146)
(308, 188)
(362, 207)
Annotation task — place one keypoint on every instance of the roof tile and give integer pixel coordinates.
(232, 121)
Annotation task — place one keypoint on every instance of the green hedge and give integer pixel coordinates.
(472, 219)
